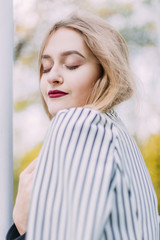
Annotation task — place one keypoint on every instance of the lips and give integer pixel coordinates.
(56, 94)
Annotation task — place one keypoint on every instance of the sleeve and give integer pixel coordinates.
(72, 195)
(13, 234)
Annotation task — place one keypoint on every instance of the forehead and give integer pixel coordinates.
(65, 39)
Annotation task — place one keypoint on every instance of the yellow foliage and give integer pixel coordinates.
(25, 161)
(24, 103)
(151, 153)
(20, 105)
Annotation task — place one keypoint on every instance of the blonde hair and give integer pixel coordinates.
(108, 46)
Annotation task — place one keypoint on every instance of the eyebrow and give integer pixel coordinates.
(63, 54)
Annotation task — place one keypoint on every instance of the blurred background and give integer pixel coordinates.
(138, 22)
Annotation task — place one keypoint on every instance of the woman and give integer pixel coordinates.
(90, 180)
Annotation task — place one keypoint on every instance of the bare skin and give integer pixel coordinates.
(21, 208)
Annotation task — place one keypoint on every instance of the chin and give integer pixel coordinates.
(53, 112)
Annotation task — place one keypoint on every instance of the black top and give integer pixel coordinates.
(13, 234)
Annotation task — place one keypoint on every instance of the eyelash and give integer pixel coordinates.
(46, 71)
(68, 67)
(72, 67)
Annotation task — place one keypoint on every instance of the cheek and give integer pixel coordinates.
(83, 82)
(42, 87)
(82, 88)
(92, 74)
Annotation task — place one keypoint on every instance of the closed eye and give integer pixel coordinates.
(46, 70)
(72, 67)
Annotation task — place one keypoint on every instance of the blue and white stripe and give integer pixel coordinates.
(91, 182)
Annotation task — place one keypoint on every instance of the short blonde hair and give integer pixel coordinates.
(108, 46)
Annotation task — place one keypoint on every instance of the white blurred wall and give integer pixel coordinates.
(6, 61)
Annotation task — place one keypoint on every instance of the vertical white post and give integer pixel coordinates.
(6, 62)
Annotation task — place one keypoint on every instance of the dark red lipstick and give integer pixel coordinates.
(56, 93)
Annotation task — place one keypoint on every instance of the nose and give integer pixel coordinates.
(54, 77)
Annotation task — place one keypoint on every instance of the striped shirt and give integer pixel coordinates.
(91, 182)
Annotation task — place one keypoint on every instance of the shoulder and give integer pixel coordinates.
(86, 135)
(82, 116)
(83, 127)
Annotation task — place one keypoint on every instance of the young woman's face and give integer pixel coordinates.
(69, 71)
